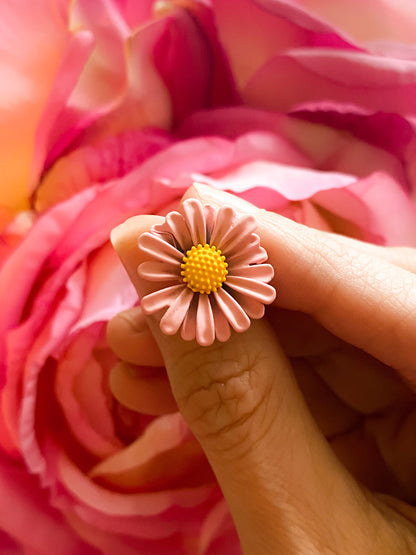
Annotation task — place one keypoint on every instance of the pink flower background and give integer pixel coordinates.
(113, 108)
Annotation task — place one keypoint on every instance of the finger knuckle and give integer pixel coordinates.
(223, 398)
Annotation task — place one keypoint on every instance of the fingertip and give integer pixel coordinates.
(217, 197)
(129, 336)
(127, 233)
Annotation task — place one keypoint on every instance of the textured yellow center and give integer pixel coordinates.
(204, 269)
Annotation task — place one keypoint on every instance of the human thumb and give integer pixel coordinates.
(281, 481)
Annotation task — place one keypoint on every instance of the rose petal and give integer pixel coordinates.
(103, 298)
(82, 397)
(346, 77)
(33, 46)
(183, 60)
(100, 162)
(267, 34)
(367, 21)
(123, 504)
(24, 506)
(161, 434)
(217, 521)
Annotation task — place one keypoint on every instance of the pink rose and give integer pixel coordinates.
(133, 479)
(84, 466)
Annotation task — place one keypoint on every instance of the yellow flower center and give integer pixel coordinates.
(204, 269)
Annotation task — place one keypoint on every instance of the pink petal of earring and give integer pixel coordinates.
(211, 269)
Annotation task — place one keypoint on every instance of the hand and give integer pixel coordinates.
(308, 419)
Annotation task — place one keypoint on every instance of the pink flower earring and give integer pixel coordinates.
(211, 269)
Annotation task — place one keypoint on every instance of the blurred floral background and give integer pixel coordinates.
(110, 108)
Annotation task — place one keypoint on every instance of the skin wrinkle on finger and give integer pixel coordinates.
(388, 292)
(221, 397)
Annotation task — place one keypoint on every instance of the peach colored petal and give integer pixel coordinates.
(195, 220)
(210, 216)
(252, 253)
(161, 298)
(159, 249)
(175, 314)
(232, 310)
(176, 225)
(222, 327)
(258, 272)
(205, 329)
(258, 290)
(253, 308)
(158, 271)
(238, 234)
(225, 218)
(188, 330)
(147, 395)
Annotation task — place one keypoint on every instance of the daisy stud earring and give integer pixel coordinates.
(209, 272)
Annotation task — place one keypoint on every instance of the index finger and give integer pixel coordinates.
(361, 298)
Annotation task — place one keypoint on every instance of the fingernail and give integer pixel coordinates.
(116, 235)
(136, 323)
